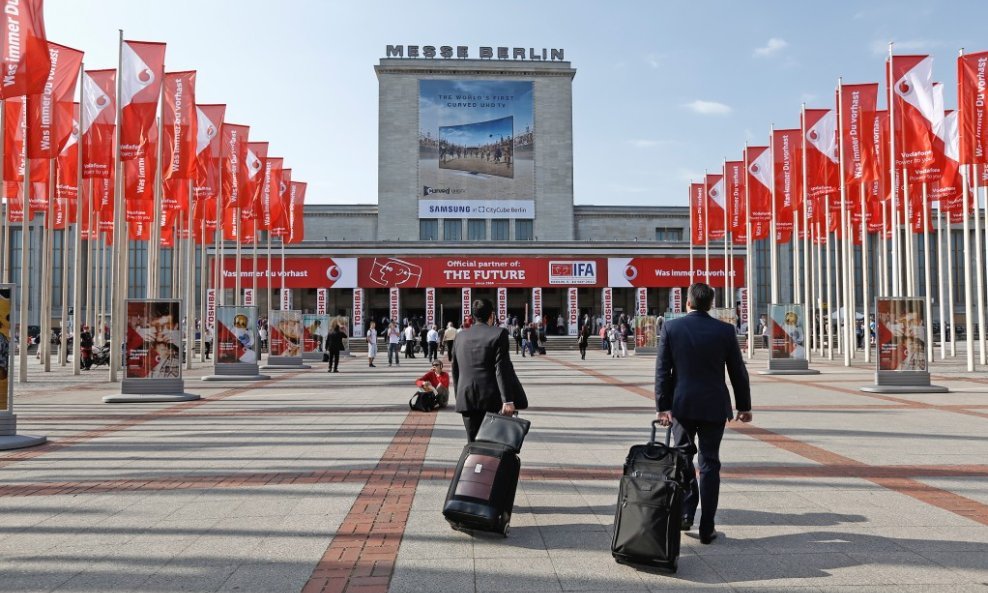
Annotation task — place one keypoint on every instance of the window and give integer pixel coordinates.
(500, 230)
(429, 229)
(453, 230)
(477, 230)
(523, 230)
(668, 234)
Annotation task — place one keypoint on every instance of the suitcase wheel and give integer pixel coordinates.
(505, 524)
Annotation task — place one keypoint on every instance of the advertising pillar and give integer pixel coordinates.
(900, 328)
(502, 306)
(237, 345)
(286, 299)
(467, 302)
(394, 304)
(430, 307)
(537, 305)
(322, 296)
(358, 313)
(641, 301)
(676, 300)
(248, 297)
(607, 304)
(787, 344)
(574, 310)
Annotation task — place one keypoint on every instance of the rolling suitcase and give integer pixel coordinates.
(649, 508)
(482, 493)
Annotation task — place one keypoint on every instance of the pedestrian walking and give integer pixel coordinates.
(394, 341)
(691, 396)
(432, 339)
(449, 336)
(334, 345)
(371, 344)
(207, 341)
(409, 344)
(582, 341)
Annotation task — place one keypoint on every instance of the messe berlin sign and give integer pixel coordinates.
(531, 54)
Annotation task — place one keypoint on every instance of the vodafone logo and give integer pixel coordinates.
(812, 135)
(630, 272)
(905, 88)
(102, 101)
(713, 193)
(211, 131)
(755, 168)
(145, 76)
(334, 272)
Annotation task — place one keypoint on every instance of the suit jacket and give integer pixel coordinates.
(483, 376)
(689, 369)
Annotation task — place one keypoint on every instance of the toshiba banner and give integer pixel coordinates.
(508, 272)
(467, 303)
(502, 306)
(574, 310)
(667, 272)
(430, 307)
(299, 272)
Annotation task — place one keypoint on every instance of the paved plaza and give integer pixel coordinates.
(317, 482)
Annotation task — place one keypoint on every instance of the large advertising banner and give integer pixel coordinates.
(153, 348)
(641, 301)
(315, 328)
(607, 304)
(322, 296)
(502, 306)
(6, 352)
(430, 307)
(394, 305)
(536, 304)
(669, 272)
(901, 334)
(745, 313)
(786, 340)
(285, 328)
(573, 306)
(236, 335)
(676, 300)
(476, 140)
(466, 300)
(299, 272)
(453, 272)
(211, 308)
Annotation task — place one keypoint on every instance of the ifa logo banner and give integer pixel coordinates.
(582, 272)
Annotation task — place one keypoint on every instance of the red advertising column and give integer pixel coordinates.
(430, 307)
(248, 297)
(574, 310)
(502, 306)
(358, 313)
(322, 296)
(676, 300)
(641, 301)
(607, 304)
(466, 302)
(286, 299)
(537, 304)
(394, 301)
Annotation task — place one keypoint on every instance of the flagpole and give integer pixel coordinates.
(706, 225)
(77, 265)
(728, 284)
(120, 242)
(948, 245)
(204, 281)
(253, 275)
(820, 285)
(886, 253)
(896, 256)
(940, 284)
(25, 275)
(283, 272)
(865, 277)
(692, 226)
(154, 249)
(927, 273)
(830, 278)
(968, 310)
(48, 286)
(236, 298)
(773, 248)
(979, 266)
(269, 278)
(845, 272)
(808, 255)
(190, 295)
(749, 252)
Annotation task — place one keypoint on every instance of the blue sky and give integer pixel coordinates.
(663, 90)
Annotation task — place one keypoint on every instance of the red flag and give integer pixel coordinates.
(175, 195)
(280, 227)
(67, 164)
(257, 154)
(273, 211)
(209, 118)
(949, 189)
(233, 153)
(42, 114)
(737, 214)
(178, 125)
(40, 174)
(716, 206)
(787, 155)
(822, 172)
(859, 102)
(139, 172)
(142, 65)
(916, 113)
(758, 160)
(15, 121)
(24, 49)
(98, 122)
(296, 222)
(972, 70)
(698, 214)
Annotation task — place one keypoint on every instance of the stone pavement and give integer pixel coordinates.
(317, 482)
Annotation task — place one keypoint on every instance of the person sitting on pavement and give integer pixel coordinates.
(436, 381)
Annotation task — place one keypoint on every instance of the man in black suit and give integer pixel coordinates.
(483, 377)
(690, 395)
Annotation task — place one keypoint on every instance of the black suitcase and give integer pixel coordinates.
(650, 501)
(482, 492)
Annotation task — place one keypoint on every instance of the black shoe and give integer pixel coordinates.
(685, 525)
(706, 538)
(373, 365)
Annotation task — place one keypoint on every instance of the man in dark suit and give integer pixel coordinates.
(690, 395)
(484, 379)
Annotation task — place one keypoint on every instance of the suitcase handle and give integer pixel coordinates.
(668, 433)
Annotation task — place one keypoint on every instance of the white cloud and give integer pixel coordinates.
(653, 60)
(708, 107)
(774, 46)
